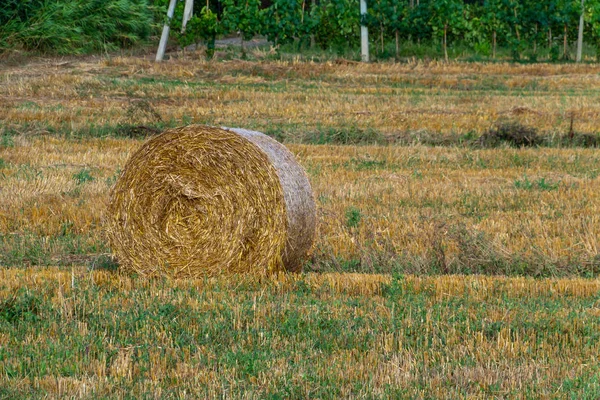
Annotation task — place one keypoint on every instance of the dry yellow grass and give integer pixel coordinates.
(391, 98)
(82, 333)
(417, 202)
(456, 208)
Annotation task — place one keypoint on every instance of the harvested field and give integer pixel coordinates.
(440, 268)
(381, 209)
(100, 334)
(291, 99)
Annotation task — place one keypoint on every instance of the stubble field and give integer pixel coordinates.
(404, 194)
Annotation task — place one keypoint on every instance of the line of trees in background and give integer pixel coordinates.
(521, 28)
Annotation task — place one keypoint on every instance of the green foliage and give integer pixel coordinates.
(203, 27)
(528, 29)
(445, 14)
(21, 306)
(593, 15)
(541, 184)
(353, 217)
(445, 18)
(386, 18)
(242, 16)
(75, 26)
(83, 176)
(338, 23)
(289, 20)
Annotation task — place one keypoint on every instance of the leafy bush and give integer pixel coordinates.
(203, 26)
(74, 26)
(527, 31)
(339, 22)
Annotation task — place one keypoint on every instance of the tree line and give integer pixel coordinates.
(520, 28)
(526, 28)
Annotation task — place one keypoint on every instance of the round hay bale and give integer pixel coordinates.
(198, 200)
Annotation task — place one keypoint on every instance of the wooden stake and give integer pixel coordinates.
(364, 34)
(164, 38)
(580, 33)
(187, 14)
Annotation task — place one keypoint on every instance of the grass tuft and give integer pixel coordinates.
(20, 307)
(83, 176)
(353, 217)
(351, 135)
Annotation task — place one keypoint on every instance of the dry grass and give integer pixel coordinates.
(459, 206)
(390, 98)
(420, 209)
(424, 210)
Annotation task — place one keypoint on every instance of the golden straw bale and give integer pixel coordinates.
(198, 200)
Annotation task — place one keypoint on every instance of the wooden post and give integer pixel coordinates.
(580, 35)
(565, 42)
(446, 42)
(364, 33)
(187, 14)
(164, 38)
(312, 35)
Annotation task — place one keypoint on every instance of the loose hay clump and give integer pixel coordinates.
(198, 200)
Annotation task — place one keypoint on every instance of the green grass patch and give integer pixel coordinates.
(66, 248)
(542, 184)
(6, 140)
(351, 135)
(309, 338)
(83, 176)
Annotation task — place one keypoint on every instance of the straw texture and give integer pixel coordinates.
(198, 200)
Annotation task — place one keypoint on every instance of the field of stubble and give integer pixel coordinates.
(386, 307)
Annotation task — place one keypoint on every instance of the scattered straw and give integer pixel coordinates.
(199, 200)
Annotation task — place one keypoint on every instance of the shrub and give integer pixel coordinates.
(74, 26)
